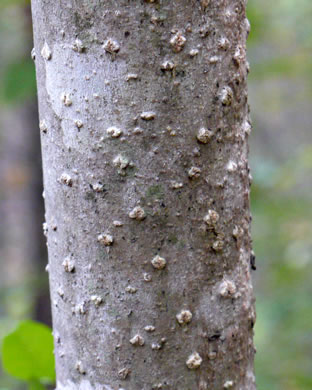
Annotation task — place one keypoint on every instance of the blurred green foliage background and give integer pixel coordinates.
(280, 90)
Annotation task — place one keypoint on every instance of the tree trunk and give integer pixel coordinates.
(23, 253)
(144, 122)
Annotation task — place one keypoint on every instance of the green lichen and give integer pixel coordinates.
(155, 191)
(172, 238)
(182, 244)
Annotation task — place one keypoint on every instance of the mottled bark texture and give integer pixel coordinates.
(144, 121)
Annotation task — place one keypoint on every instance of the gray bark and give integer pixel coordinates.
(144, 120)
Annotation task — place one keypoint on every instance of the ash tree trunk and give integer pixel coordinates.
(144, 122)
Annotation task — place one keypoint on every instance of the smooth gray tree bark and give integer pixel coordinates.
(144, 121)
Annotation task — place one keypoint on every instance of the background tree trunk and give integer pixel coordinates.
(144, 121)
(24, 288)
